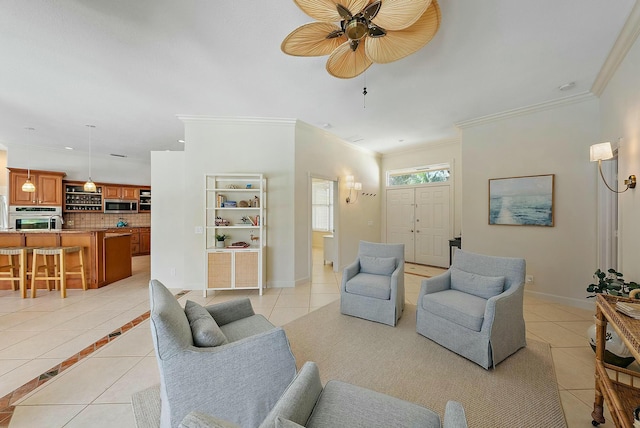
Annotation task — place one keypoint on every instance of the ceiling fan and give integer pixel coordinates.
(357, 33)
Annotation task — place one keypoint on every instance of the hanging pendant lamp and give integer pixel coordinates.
(90, 186)
(28, 186)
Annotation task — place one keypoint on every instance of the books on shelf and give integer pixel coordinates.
(629, 309)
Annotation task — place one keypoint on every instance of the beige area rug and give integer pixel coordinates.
(146, 407)
(522, 391)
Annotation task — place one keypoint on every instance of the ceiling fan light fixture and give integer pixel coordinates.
(356, 29)
(346, 29)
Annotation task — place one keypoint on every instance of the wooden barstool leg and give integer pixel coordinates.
(82, 272)
(63, 275)
(23, 273)
(34, 269)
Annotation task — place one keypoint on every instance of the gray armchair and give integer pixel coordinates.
(242, 365)
(373, 285)
(475, 307)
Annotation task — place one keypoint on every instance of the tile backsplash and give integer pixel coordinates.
(103, 221)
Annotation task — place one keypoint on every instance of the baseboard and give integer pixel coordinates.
(586, 303)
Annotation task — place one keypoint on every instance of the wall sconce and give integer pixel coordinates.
(602, 151)
(353, 185)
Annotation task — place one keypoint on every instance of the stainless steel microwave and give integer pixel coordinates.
(120, 206)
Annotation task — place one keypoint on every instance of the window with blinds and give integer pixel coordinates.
(322, 205)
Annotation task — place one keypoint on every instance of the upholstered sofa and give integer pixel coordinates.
(475, 308)
(222, 359)
(373, 285)
(306, 403)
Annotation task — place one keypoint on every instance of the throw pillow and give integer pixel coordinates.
(204, 329)
(286, 423)
(202, 420)
(478, 285)
(377, 265)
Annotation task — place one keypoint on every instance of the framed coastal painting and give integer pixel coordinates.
(521, 201)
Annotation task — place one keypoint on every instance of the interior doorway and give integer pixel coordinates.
(420, 218)
(324, 237)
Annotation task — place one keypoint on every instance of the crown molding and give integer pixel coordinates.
(624, 42)
(534, 108)
(338, 139)
(418, 147)
(235, 120)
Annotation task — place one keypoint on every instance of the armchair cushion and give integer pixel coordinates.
(370, 285)
(203, 420)
(204, 329)
(478, 285)
(377, 265)
(463, 309)
(286, 423)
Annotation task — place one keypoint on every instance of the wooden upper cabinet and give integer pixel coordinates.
(48, 187)
(120, 192)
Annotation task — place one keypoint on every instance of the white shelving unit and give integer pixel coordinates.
(235, 208)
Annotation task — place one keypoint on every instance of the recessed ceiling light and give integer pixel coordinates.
(68, 148)
(326, 125)
(567, 86)
(181, 141)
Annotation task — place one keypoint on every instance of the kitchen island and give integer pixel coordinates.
(107, 256)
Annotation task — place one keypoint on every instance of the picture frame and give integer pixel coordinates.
(522, 201)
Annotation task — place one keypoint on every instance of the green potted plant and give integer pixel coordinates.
(220, 240)
(611, 282)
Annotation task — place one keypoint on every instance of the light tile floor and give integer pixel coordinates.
(37, 334)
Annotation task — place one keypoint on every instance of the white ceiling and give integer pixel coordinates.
(130, 66)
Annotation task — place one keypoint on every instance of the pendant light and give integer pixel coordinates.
(90, 186)
(28, 186)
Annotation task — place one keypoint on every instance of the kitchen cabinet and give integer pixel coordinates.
(140, 238)
(235, 207)
(144, 206)
(145, 240)
(77, 200)
(48, 187)
(120, 192)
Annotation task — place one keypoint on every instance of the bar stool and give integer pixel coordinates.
(12, 265)
(60, 269)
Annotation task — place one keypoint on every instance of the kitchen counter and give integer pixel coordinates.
(107, 255)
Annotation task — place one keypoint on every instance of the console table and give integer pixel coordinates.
(616, 387)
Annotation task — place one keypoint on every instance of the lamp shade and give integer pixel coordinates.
(350, 180)
(600, 151)
(90, 186)
(28, 186)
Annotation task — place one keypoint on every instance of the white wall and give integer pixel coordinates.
(620, 117)
(321, 154)
(167, 218)
(553, 140)
(106, 169)
(220, 145)
(427, 154)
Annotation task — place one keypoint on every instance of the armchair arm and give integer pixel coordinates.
(298, 401)
(397, 283)
(230, 311)
(239, 382)
(503, 307)
(454, 416)
(349, 272)
(437, 283)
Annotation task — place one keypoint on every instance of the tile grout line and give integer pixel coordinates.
(7, 406)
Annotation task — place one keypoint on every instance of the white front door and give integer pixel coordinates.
(420, 218)
(400, 220)
(432, 225)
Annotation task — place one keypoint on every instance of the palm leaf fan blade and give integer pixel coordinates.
(400, 14)
(326, 11)
(311, 40)
(346, 63)
(398, 44)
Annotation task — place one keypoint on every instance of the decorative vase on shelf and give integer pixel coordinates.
(615, 351)
(219, 244)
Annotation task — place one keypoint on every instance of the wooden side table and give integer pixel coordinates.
(617, 387)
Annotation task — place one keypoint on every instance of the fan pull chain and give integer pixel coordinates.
(364, 91)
